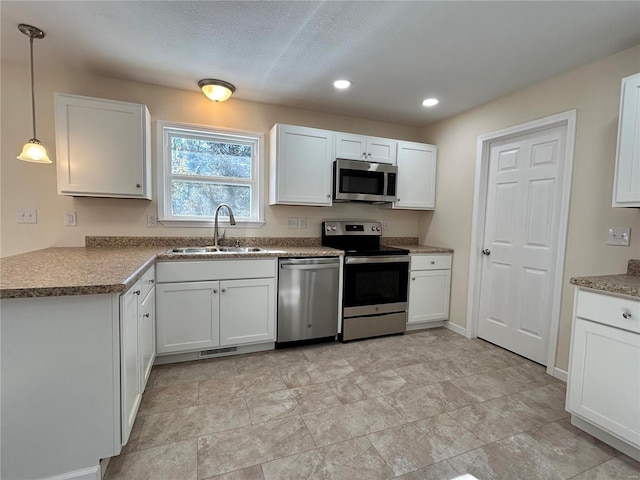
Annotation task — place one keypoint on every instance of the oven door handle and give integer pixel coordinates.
(380, 259)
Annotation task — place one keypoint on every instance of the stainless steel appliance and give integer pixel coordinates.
(360, 181)
(375, 279)
(307, 298)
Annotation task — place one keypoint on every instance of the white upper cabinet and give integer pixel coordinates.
(360, 147)
(626, 187)
(416, 181)
(103, 148)
(300, 165)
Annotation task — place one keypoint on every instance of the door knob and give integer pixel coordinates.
(486, 252)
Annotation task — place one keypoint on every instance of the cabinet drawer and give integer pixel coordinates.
(146, 282)
(609, 310)
(431, 262)
(203, 270)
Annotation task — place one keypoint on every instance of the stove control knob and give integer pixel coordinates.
(328, 228)
(377, 229)
(334, 228)
(373, 229)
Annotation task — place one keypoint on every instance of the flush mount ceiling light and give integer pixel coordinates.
(342, 84)
(430, 102)
(216, 90)
(33, 151)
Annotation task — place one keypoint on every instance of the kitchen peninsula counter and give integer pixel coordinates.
(60, 271)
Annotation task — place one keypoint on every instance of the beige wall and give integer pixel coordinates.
(594, 91)
(31, 185)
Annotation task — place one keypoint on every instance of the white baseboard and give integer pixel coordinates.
(91, 473)
(560, 374)
(163, 359)
(423, 326)
(456, 328)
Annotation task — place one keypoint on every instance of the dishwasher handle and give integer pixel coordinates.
(312, 266)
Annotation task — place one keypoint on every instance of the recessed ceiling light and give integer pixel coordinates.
(430, 102)
(342, 84)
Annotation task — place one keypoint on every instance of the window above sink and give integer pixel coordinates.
(201, 167)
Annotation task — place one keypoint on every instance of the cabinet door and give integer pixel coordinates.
(604, 378)
(146, 337)
(381, 150)
(187, 316)
(429, 295)
(247, 311)
(350, 146)
(130, 394)
(300, 168)
(416, 188)
(103, 148)
(626, 191)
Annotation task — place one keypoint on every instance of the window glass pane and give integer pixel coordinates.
(192, 156)
(201, 199)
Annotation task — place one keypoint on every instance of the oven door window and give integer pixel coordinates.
(361, 182)
(375, 284)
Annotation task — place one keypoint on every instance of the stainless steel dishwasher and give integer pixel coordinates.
(307, 298)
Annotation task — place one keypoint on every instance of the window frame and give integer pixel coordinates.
(164, 177)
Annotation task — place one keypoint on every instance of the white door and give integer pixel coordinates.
(521, 239)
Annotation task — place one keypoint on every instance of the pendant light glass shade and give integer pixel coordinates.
(33, 151)
(216, 90)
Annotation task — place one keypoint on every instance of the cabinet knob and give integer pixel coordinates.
(138, 185)
(137, 292)
(626, 315)
(215, 291)
(413, 278)
(151, 281)
(398, 200)
(224, 290)
(146, 315)
(433, 262)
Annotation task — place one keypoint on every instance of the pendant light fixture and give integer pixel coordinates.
(33, 151)
(216, 90)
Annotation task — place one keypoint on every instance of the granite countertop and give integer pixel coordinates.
(425, 249)
(60, 271)
(623, 284)
(114, 264)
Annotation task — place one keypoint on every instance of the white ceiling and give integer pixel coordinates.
(396, 53)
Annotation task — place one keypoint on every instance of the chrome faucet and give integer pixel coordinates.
(232, 221)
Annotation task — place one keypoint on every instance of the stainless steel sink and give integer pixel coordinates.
(204, 250)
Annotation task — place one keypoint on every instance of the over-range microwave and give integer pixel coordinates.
(360, 181)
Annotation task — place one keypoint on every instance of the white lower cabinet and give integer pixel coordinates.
(247, 311)
(188, 316)
(429, 288)
(603, 388)
(137, 346)
(198, 311)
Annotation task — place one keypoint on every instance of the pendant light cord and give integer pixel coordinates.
(33, 91)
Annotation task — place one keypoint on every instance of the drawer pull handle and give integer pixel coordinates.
(626, 315)
(146, 315)
(433, 262)
(137, 292)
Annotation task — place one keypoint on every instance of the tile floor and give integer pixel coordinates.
(425, 405)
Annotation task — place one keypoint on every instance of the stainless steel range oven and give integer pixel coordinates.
(375, 279)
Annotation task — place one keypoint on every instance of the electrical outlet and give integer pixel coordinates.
(302, 222)
(385, 224)
(292, 222)
(152, 220)
(70, 219)
(27, 215)
(618, 236)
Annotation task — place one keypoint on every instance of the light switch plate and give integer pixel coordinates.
(618, 236)
(302, 222)
(27, 215)
(292, 222)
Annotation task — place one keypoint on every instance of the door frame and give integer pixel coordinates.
(568, 120)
